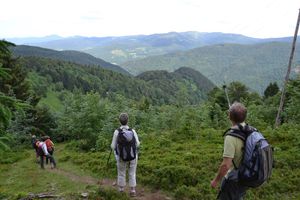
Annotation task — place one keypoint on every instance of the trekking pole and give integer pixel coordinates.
(108, 158)
(226, 93)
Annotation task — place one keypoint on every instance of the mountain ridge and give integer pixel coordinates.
(255, 65)
(68, 55)
(125, 48)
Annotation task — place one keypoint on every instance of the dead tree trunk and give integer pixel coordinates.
(280, 109)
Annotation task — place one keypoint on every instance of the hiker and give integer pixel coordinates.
(43, 152)
(125, 143)
(33, 144)
(233, 153)
(50, 148)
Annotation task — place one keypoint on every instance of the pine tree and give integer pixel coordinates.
(15, 89)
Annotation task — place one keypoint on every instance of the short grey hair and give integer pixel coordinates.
(237, 112)
(123, 118)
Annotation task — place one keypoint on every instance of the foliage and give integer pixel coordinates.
(186, 167)
(110, 194)
(18, 108)
(292, 114)
(184, 86)
(70, 76)
(83, 118)
(271, 90)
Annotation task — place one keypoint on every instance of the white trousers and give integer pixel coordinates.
(121, 165)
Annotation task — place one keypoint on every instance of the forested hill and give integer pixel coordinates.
(161, 78)
(66, 75)
(71, 56)
(254, 65)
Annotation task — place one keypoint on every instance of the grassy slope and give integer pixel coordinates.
(25, 176)
(185, 167)
(171, 161)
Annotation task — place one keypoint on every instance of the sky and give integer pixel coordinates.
(253, 18)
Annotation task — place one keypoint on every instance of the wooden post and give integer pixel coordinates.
(280, 109)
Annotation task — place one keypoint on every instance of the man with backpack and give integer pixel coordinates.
(125, 143)
(247, 157)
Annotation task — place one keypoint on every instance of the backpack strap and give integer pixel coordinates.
(120, 130)
(242, 133)
(237, 133)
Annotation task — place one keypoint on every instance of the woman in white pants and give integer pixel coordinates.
(121, 164)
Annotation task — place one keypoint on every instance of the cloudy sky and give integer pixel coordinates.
(255, 18)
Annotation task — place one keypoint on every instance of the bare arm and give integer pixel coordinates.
(223, 169)
(114, 140)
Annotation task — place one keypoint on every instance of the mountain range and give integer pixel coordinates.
(126, 48)
(255, 65)
(221, 57)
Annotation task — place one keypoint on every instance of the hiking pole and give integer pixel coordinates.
(108, 158)
(226, 93)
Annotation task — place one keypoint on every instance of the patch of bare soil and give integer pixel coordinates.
(142, 193)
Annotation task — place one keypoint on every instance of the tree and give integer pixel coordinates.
(16, 95)
(83, 118)
(6, 103)
(217, 96)
(237, 91)
(271, 90)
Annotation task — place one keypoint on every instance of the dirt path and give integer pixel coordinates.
(142, 193)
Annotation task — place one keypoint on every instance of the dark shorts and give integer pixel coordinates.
(231, 190)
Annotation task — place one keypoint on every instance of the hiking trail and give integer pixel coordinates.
(142, 193)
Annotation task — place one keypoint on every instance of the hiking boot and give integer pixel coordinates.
(132, 193)
(53, 166)
(121, 189)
